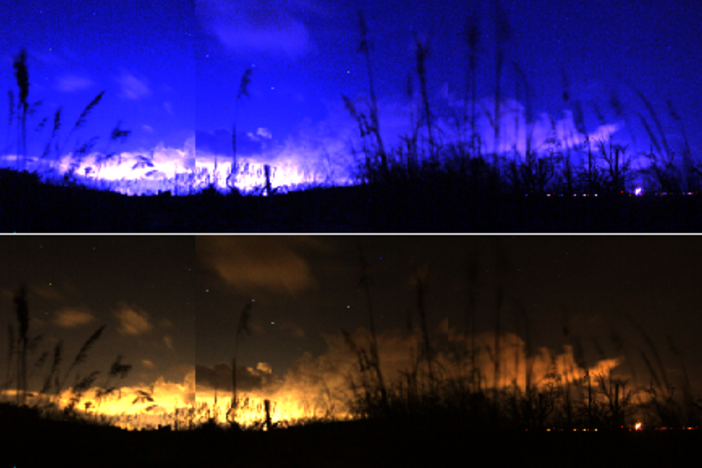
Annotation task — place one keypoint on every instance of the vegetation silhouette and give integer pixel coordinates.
(430, 182)
(427, 414)
(430, 393)
(551, 171)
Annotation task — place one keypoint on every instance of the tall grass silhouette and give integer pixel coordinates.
(469, 388)
(47, 401)
(22, 77)
(21, 109)
(243, 91)
(242, 327)
(427, 157)
(468, 163)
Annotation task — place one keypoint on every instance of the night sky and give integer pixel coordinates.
(140, 53)
(172, 304)
(171, 71)
(304, 56)
(140, 287)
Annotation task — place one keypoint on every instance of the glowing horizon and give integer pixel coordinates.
(318, 387)
(178, 75)
(322, 156)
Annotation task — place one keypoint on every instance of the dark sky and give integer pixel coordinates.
(303, 54)
(141, 53)
(171, 71)
(141, 288)
(305, 287)
(172, 304)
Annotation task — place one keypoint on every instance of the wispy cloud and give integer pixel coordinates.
(219, 376)
(71, 83)
(132, 87)
(275, 264)
(323, 381)
(132, 322)
(69, 318)
(51, 293)
(166, 323)
(261, 134)
(268, 26)
(168, 341)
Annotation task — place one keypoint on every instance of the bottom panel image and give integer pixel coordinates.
(350, 351)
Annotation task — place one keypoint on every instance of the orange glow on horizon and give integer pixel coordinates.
(178, 405)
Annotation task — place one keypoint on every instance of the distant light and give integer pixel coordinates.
(272, 323)
(638, 191)
(638, 426)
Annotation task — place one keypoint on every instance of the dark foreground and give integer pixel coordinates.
(29, 206)
(38, 444)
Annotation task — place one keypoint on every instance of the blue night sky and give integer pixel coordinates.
(140, 53)
(171, 70)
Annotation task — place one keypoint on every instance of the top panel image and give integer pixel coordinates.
(321, 116)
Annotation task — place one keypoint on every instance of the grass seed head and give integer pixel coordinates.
(22, 77)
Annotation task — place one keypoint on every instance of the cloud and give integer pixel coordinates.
(132, 322)
(248, 379)
(267, 26)
(168, 341)
(291, 327)
(132, 87)
(70, 83)
(265, 133)
(47, 292)
(219, 142)
(261, 134)
(69, 318)
(271, 263)
(166, 323)
(321, 151)
(316, 385)
(165, 394)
